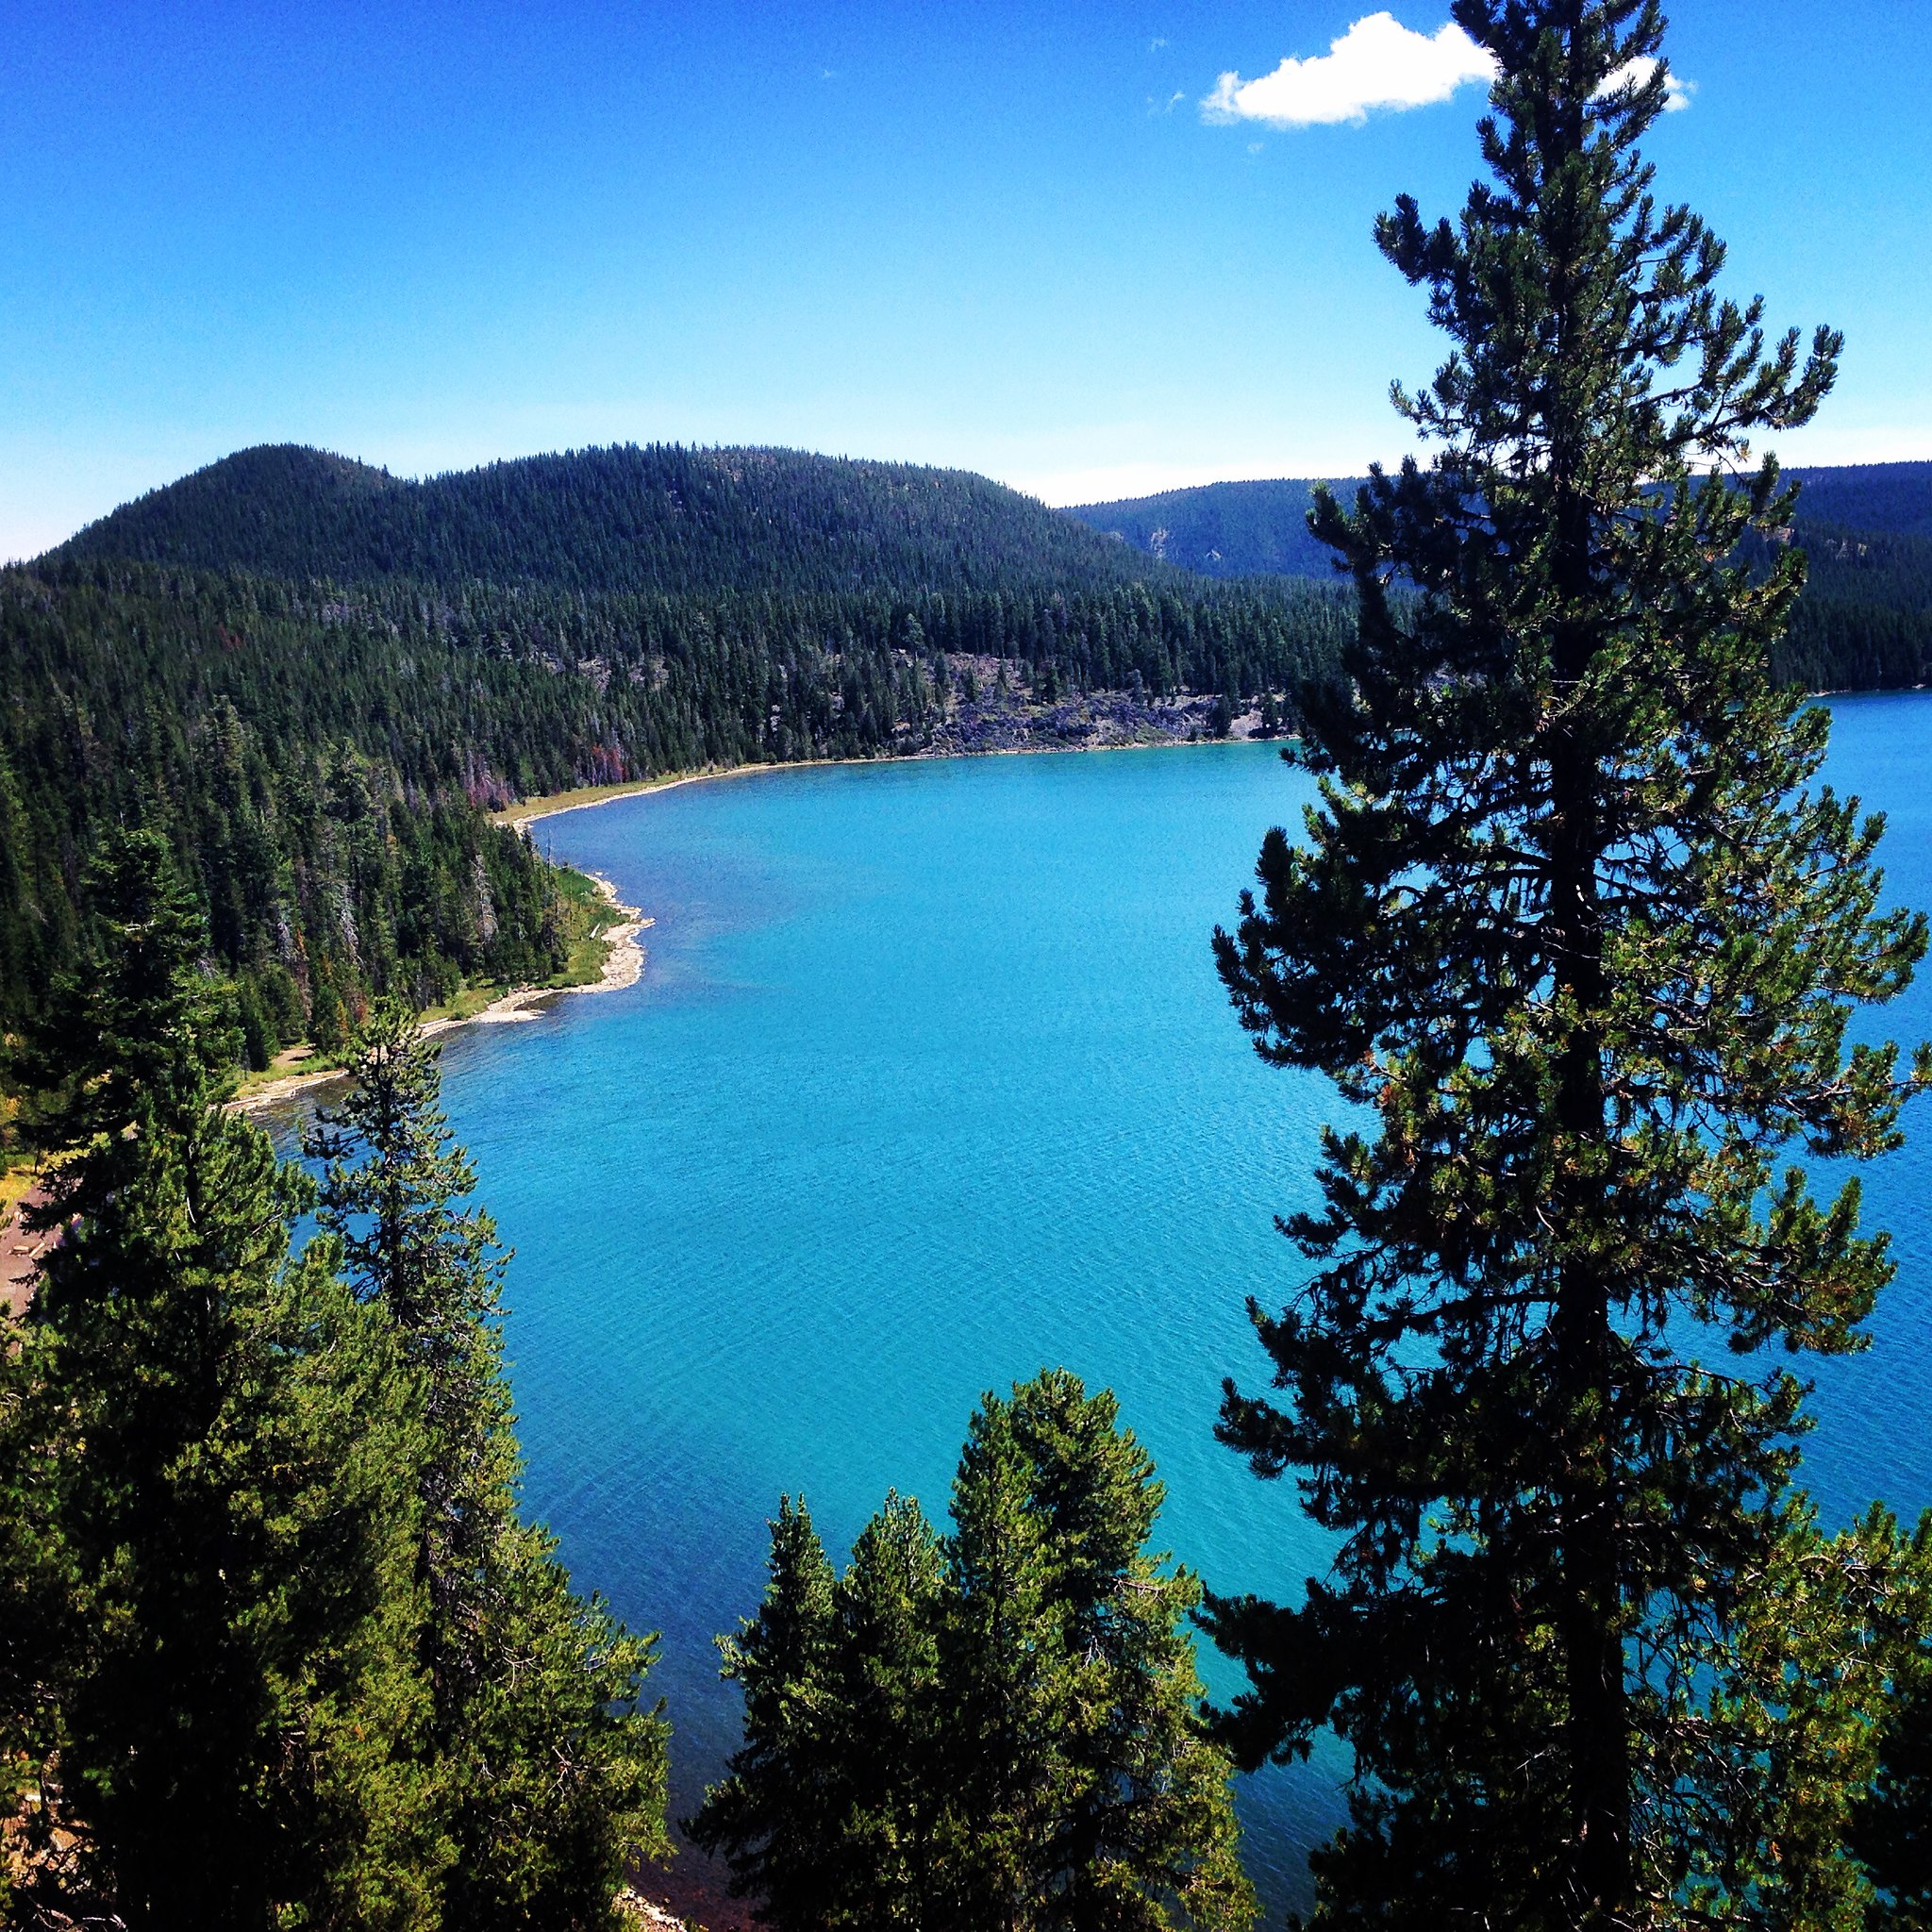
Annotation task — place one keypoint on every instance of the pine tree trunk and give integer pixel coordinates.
(1589, 1628)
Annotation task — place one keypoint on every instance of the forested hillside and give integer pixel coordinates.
(316, 681)
(1864, 623)
(662, 518)
(316, 678)
(1222, 529)
(1882, 499)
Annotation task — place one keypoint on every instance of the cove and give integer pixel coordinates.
(930, 1083)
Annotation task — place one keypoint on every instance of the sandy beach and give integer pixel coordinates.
(623, 966)
(524, 814)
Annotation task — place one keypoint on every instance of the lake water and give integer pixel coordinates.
(930, 1083)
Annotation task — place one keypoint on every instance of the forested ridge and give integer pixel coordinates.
(658, 518)
(316, 677)
(1864, 621)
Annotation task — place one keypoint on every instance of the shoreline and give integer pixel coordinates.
(623, 966)
(624, 963)
(526, 813)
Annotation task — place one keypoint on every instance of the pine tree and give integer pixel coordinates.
(199, 1438)
(1009, 1678)
(1002, 1730)
(1571, 931)
(771, 1817)
(1148, 1828)
(882, 1696)
(548, 1773)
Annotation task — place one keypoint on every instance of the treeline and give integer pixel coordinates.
(275, 1647)
(322, 760)
(1864, 621)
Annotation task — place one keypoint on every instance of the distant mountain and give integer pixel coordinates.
(1864, 623)
(1880, 499)
(624, 519)
(1222, 530)
(1244, 529)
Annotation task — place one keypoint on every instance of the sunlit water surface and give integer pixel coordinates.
(930, 1083)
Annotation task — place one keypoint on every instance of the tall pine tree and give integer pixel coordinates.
(1576, 931)
(549, 1772)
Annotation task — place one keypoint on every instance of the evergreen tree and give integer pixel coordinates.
(774, 1817)
(1009, 1679)
(1571, 930)
(195, 1449)
(1001, 1730)
(1147, 1827)
(881, 1693)
(549, 1776)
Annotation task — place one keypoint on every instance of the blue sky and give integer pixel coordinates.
(1001, 236)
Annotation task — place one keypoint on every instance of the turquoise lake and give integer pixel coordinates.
(930, 1083)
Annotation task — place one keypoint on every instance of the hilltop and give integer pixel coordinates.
(318, 679)
(656, 518)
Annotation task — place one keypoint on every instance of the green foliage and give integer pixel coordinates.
(548, 1775)
(196, 1453)
(998, 1730)
(1573, 933)
(1865, 619)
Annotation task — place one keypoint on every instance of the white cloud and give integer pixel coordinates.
(1378, 64)
(1635, 73)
